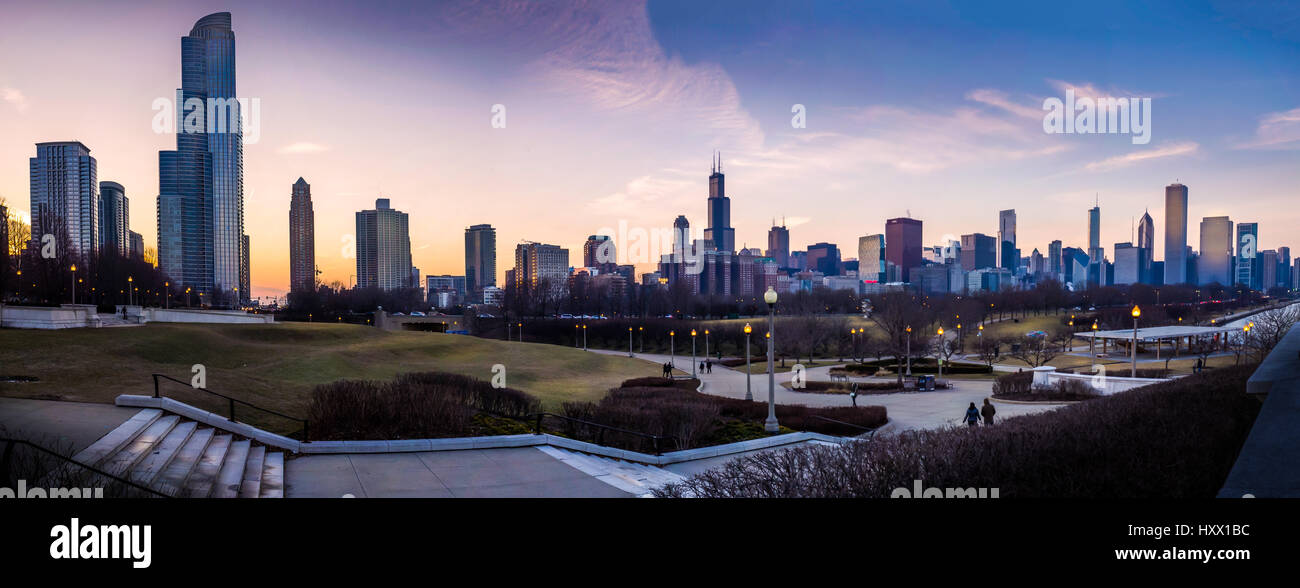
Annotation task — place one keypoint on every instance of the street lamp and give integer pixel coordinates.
(960, 348)
(749, 394)
(130, 283)
(520, 332)
(692, 353)
(706, 343)
(909, 351)
(771, 425)
(584, 337)
(640, 335)
(74, 283)
(939, 359)
(167, 288)
(672, 349)
(1092, 347)
(1137, 312)
(629, 342)
(575, 335)
(853, 343)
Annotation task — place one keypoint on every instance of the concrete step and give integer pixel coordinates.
(116, 439)
(200, 482)
(232, 471)
(172, 478)
(153, 462)
(273, 476)
(119, 463)
(251, 487)
(634, 478)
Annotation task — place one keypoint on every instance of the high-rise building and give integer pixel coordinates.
(598, 251)
(1146, 241)
(136, 249)
(871, 258)
(1095, 254)
(245, 272)
(719, 231)
(1008, 256)
(1037, 264)
(383, 248)
(480, 260)
(1248, 269)
(540, 265)
(1214, 266)
(114, 218)
(201, 183)
(302, 238)
(978, 251)
(778, 244)
(824, 257)
(1175, 234)
(65, 195)
(1284, 267)
(1268, 261)
(903, 244)
(1054, 265)
(1128, 264)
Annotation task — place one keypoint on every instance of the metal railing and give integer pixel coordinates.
(6, 462)
(231, 402)
(871, 431)
(600, 429)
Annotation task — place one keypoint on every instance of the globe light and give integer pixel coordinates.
(1137, 312)
(748, 329)
(770, 296)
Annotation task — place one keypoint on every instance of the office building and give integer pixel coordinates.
(65, 195)
(825, 258)
(1008, 255)
(1175, 234)
(1146, 240)
(1248, 267)
(1127, 268)
(719, 231)
(1214, 266)
(136, 249)
(480, 260)
(1054, 265)
(598, 251)
(978, 251)
(778, 244)
(302, 238)
(1268, 262)
(383, 248)
(541, 266)
(871, 258)
(114, 218)
(903, 244)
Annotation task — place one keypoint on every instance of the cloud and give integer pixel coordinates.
(1171, 150)
(15, 97)
(302, 147)
(1090, 90)
(1000, 100)
(1276, 130)
(649, 194)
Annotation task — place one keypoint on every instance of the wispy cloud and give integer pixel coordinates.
(999, 99)
(302, 147)
(1127, 159)
(1276, 130)
(15, 97)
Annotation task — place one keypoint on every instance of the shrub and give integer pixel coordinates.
(1013, 385)
(1175, 439)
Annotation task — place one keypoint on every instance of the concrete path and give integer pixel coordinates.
(523, 472)
(907, 410)
(60, 425)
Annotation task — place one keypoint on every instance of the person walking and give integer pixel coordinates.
(987, 412)
(972, 416)
(708, 366)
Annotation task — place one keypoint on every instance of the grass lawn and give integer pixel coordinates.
(276, 366)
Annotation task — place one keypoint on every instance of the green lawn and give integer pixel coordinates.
(276, 366)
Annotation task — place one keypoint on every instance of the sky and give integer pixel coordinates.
(614, 109)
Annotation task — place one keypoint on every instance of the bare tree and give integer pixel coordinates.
(902, 318)
(1268, 328)
(1037, 351)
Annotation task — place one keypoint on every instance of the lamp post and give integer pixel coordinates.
(853, 343)
(672, 349)
(960, 348)
(1092, 347)
(909, 351)
(575, 335)
(749, 394)
(1071, 333)
(771, 426)
(640, 335)
(939, 359)
(74, 282)
(130, 292)
(584, 337)
(1137, 312)
(629, 342)
(692, 353)
(519, 331)
(167, 289)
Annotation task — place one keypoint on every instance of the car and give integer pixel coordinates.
(417, 313)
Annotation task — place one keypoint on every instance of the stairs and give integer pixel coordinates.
(180, 457)
(633, 478)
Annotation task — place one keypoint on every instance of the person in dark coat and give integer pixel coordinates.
(987, 412)
(972, 416)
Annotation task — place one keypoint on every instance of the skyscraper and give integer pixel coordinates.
(302, 238)
(824, 257)
(480, 260)
(1175, 234)
(201, 183)
(871, 258)
(598, 251)
(719, 231)
(903, 244)
(681, 236)
(383, 248)
(778, 244)
(1009, 256)
(1268, 261)
(978, 251)
(1247, 255)
(1146, 240)
(538, 265)
(114, 218)
(1054, 264)
(1214, 266)
(1095, 256)
(65, 195)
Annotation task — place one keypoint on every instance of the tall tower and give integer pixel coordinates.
(1009, 255)
(201, 183)
(1175, 234)
(719, 231)
(903, 245)
(778, 244)
(681, 236)
(1146, 240)
(302, 238)
(65, 195)
(480, 260)
(114, 218)
(1214, 265)
(383, 248)
(1095, 254)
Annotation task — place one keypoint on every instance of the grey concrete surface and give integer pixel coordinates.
(60, 425)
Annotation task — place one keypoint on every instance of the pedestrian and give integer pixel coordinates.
(1200, 364)
(701, 367)
(987, 412)
(853, 395)
(708, 365)
(972, 416)
(668, 370)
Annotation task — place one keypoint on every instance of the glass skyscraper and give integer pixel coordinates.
(114, 218)
(480, 260)
(201, 184)
(302, 238)
(1175, 234)
(719, 231)
(65, 195)
(383, 248)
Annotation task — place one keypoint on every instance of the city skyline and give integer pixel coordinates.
(875, 155)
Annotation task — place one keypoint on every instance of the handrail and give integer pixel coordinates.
(7, 457)
(306, 430)
(867, 429)
(537, 428)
